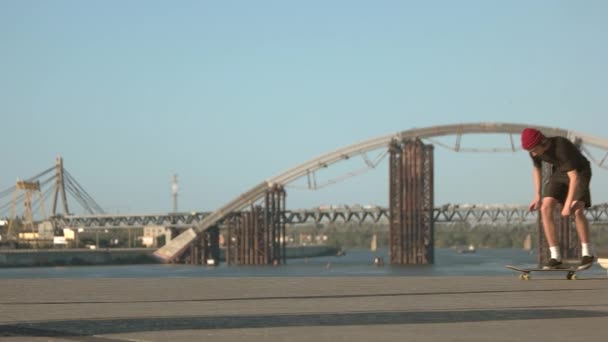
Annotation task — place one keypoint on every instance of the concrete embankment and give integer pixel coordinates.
(114, 256)
(60, 257)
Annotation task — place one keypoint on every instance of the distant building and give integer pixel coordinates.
(151, 234)
(46, 231)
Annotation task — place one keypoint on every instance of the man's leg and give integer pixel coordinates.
(547, 211)
(582, 225)
(582, 228)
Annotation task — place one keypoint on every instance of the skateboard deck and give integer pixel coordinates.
(570, 271)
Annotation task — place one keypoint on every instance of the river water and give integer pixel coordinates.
(448, 262)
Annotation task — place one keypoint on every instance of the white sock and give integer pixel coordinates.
(555, 253)
(586, 250)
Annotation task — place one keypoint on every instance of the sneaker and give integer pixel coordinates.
(586, 261)
(552, 264)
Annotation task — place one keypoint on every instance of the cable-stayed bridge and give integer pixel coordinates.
(51, 185)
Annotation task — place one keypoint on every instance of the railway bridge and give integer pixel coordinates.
(471, 213)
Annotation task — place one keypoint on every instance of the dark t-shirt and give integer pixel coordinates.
(563, 155)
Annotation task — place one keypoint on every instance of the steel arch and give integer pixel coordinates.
(325, 160)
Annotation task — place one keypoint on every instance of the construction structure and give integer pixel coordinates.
(205, 250)
(257, 236)
(411, 224)
(253, 237)
(30, 191)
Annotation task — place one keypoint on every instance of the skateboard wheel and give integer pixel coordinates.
(524, 276)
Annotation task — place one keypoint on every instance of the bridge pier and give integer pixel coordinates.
(205, 250)
(257, 236)
(411, 224)
(569, 244)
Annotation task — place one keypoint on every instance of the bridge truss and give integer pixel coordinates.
(473, 214)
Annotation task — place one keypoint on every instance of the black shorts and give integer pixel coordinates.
(557, 187)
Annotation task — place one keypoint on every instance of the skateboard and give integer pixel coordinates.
(570, 271)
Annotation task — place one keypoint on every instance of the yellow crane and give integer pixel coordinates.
(31, 191)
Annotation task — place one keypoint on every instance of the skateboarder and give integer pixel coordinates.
(568, 185)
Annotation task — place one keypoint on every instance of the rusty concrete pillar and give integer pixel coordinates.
(411, 225)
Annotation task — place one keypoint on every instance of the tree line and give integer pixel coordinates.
(446, 235)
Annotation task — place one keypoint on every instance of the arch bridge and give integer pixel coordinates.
(411, 192)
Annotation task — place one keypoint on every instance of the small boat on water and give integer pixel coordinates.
(374, 243)
(378, 261)
(603, 262)
(470, 249)
(528, 243)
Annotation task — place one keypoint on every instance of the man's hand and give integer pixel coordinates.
(534, 204)
(567, 210)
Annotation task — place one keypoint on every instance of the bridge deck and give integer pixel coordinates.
(500, 308)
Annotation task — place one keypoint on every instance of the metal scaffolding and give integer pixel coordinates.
(31, 192)
(411, 224)
(205, 250)
(257, 236)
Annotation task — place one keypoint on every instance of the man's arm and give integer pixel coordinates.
(537, 179)
(536, 176)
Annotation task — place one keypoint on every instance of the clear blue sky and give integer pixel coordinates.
(229, 93)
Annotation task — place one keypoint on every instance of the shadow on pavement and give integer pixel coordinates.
(80, 329)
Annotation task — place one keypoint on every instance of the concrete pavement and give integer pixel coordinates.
(495, 308)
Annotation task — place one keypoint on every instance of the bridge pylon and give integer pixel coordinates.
(411, 223)
(59, 188)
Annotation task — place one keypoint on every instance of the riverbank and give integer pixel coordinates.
(118, 256)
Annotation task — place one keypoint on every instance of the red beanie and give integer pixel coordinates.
(530, 137)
